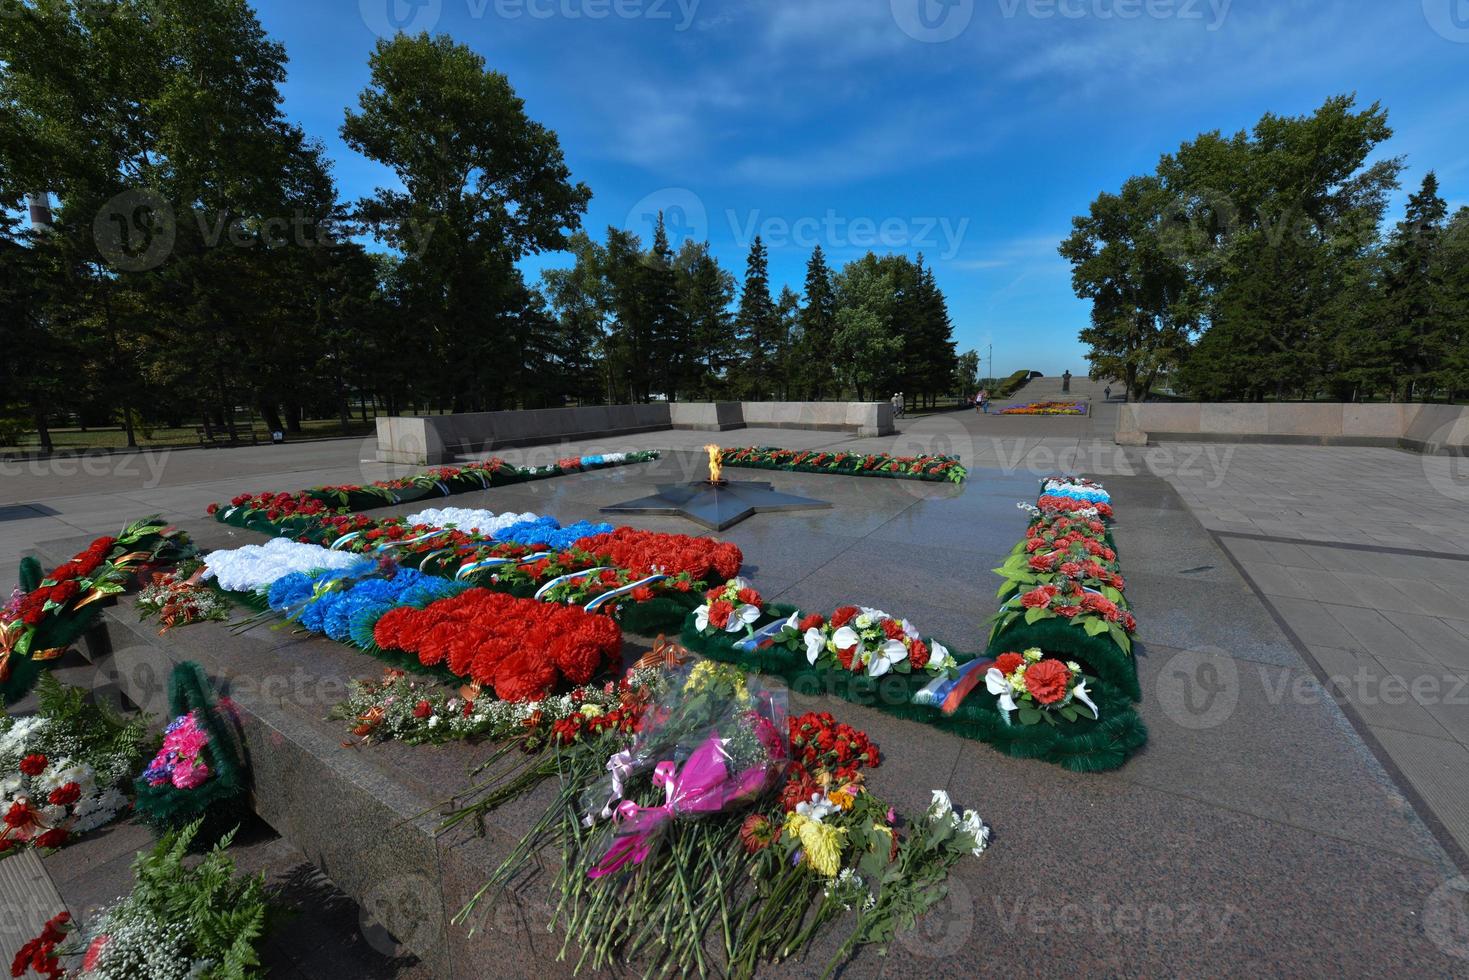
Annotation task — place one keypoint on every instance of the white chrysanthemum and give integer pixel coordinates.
(469, 519)
(941, 806)
(976, 829)
(259, 566)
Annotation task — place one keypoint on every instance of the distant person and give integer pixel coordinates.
(1107, 393)
(897, 406)
(1066, 383)
(902, 404)
(982, 400)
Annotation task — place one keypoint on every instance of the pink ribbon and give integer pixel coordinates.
(702, 786)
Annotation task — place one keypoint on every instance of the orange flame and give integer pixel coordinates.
(715, 469)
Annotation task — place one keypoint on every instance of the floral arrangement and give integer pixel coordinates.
(485, 522)
(181, 762)
(183, 919)
(741, 824)
(177, 600)
(347, 605)
(1046, 408)
(1075, 487)
(650, 552)
(1039, 688)
(293, 510)
(258, 566)
(399, 707)
(61, 769)
(733, 607)
(861, 640)
(923, 467)
(519, 647)
(199, 772)
(1062, 603)
(47, 614)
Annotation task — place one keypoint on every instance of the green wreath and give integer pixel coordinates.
(220, 800)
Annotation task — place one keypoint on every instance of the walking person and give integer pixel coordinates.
(982, 400)
(1066, 382)
(1107, 393)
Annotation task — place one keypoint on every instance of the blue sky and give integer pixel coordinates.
(970, 130)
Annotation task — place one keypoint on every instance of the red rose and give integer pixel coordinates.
(65, 795)
(1047, 681)
(212, 509)
(33, 765)
(1008, 663)
(1066, 611)
(422, 709)
(1042, 563)
(51, 839)
(1038, 598)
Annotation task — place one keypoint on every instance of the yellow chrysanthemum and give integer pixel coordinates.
(821, 842)
(591, 711)
(842, 799)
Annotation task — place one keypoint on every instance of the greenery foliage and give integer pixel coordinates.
(1253, 266)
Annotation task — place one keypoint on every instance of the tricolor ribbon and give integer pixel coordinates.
(476, 566)
(605, 596)
(568, 577)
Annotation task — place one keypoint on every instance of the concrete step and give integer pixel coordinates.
(28, 899)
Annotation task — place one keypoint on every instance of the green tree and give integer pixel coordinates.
(814, 371)
(705, 292)
(482, 186)
(864, 344)
(758, 326)
(1413, 293)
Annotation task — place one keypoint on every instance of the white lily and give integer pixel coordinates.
(701, 618)
(846, 637)
(794, 623)
(996, 684)
(1080, 693)
(939, 657)
(890, 653)
(745, 615)
(817, 808)
(815, 645)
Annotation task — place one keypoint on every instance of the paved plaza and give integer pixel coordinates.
(1304, 652)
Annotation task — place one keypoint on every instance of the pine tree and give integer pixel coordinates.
(705, 292)
(668, 332)
(757, 325)
(1411, 295)
(818, 324)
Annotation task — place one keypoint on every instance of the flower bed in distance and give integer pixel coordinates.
(931, 468)
(1046, 408)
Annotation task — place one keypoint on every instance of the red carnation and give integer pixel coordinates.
(749, 597)
(719, 613)
(19, 815)
(33, 765)
(51, 839)
(1008, 663)
(423, 709)
(843, 616)
(893, 629)
(65, 795)
(813, 621)
(1047, 681)
(918, 654)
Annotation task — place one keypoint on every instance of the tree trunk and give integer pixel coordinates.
(43, 431)
(271, 416)
(293, 417)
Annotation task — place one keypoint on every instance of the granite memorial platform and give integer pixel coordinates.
(1261, 839)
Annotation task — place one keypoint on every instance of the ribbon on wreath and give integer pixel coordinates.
(703, 785)
(624, 590)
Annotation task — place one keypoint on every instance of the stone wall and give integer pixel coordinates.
(1438, 429)
(434, 439)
